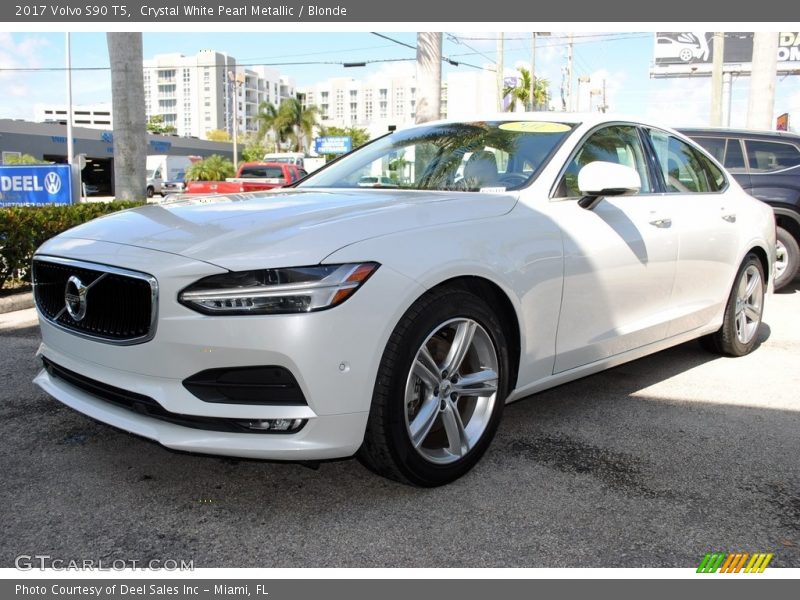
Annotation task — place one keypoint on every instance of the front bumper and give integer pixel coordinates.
(333, 354)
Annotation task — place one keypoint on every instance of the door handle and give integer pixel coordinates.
(729, 217)
(661, 223)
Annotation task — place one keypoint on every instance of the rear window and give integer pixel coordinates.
(771, 156)
(262, 172)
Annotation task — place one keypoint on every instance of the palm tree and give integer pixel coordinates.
(296, 122)
(212, 168)
(127, 97)
(268, 122)
(521, 93)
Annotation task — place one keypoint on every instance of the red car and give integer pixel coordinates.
(251, 177)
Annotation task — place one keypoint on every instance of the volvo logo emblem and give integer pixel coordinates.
(75, 298)
(52, 182)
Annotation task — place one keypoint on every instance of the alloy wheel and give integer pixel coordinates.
(451, 391)
(749, 304)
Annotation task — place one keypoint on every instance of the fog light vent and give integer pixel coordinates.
(281, 425)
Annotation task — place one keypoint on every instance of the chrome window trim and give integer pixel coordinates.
(69, 262)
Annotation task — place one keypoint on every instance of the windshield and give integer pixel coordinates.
(480, 156)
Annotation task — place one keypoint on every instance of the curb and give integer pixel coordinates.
(16, 302)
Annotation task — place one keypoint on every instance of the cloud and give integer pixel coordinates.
(19, 86)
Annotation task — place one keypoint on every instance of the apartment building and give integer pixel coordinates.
(195, 94)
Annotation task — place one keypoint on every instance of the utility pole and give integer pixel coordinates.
(582, 79)
(761, 100)
(236, 79)
(429, 76)
(604, 108)
(570, 103)
(70, 146)
(500, 80)
(533, 72)
(716, 79)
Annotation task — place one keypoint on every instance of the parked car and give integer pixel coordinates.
(162, 168)
(767, 165)
(174, 186)
(376, 181)
(328, 319)
(251, 177)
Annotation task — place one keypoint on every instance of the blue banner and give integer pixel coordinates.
(32, 185)
(333, 144)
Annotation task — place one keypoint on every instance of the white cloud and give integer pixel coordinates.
(19, 86)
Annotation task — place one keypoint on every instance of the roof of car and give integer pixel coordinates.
(738, 132)
(583, 118)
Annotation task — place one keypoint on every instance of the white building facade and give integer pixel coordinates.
(94, 116)
(195, 94)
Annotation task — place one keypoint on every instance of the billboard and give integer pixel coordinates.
(340, 144)
(32, 185)
(687, 53)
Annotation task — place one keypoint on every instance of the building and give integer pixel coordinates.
(95, 116)
(194, 93)
(48, 141)
(189, 92)
(379, 102)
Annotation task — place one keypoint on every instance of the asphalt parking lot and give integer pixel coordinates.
(653, 464)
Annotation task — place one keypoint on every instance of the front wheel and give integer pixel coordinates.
(440, 390)
(739, 332)
(150, 191)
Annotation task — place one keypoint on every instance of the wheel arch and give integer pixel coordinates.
(498, 299)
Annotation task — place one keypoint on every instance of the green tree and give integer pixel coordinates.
(26, 159)
(218, 135)
(213, 168)
(269, 123)
(156, 125)
(297, 123)
(254, 150)
(521, 93)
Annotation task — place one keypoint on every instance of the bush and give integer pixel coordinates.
(24, 228)
(213, 168)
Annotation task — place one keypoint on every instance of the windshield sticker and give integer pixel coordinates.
(535, 127)
(492, 190)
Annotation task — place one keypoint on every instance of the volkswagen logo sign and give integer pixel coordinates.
(75, 298)
(52, 182)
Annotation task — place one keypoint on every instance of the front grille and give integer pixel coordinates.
(142, 404)
(120, 305)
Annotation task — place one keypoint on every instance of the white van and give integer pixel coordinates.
(164, 167)
(291, 158)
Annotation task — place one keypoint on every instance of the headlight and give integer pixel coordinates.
(276, 291)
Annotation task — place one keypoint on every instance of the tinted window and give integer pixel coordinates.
(771, 156)
(265, 172)
(619, 144)
(685, 170)
(714, 146)
(734, 159)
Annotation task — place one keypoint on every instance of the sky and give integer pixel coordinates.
(623, 59)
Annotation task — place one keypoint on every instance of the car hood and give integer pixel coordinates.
(286, 227)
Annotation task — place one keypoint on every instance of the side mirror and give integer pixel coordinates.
(599, 179)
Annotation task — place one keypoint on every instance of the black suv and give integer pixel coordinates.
(767, 165)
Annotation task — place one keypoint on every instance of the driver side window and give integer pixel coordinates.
(619, 144)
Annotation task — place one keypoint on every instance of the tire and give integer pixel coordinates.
(685, 55)
(788, 259)
(424, 428)
(150, 191)
(743, 312)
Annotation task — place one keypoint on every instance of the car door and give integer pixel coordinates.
(705, 220)
(619, 257)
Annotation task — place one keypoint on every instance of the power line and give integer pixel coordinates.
(444, 58)
(458, 40)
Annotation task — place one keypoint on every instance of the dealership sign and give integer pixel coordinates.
(340, 144)
(686, 53)
(32, 185)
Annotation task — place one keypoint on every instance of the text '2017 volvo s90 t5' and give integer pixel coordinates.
(328, 320)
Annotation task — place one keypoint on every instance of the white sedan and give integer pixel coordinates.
(329, 319)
